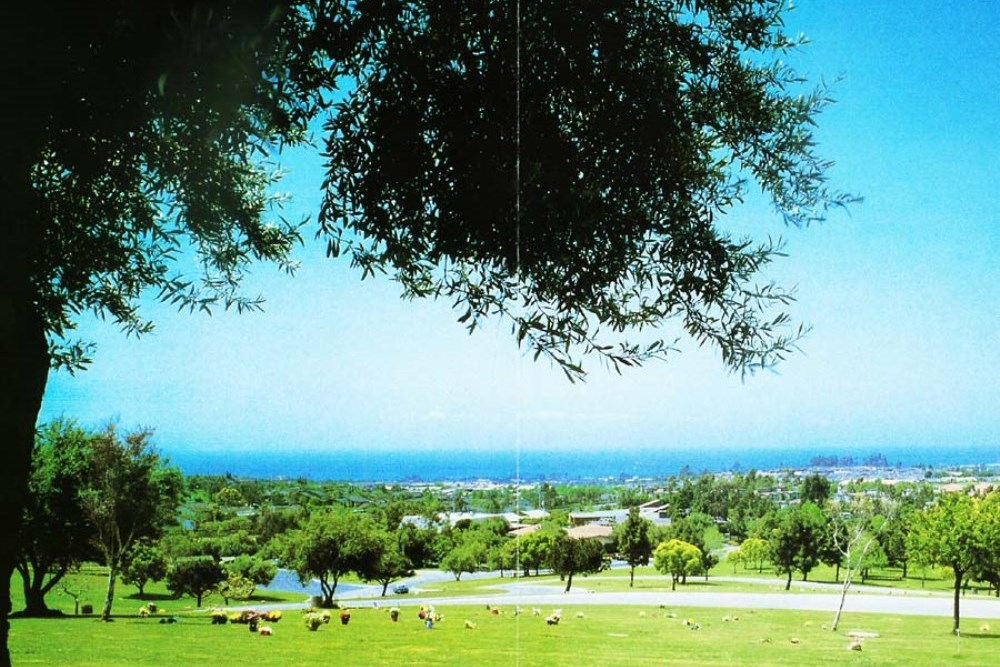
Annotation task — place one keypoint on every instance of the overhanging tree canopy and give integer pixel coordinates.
(564, 166)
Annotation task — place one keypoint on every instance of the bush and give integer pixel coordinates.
(314, 620)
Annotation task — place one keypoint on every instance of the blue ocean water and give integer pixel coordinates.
(536, 465)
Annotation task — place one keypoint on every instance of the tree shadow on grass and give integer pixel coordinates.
(151, 597)
(264, 598)
(981, 635)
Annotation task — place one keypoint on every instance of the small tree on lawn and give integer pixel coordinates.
(961, 532)
(464, 557)
(194, 575)
(572, 555)
(259, 571)
(388, 562)
(130, 495)
(857, 539)
(235, 586)
(143, 563)
(796, 539)
(752, 552)
(678, 559)
(634, 542)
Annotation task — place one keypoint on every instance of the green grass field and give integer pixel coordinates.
(613, 635)
(616, 635)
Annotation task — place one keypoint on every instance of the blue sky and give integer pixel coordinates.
(903, 294)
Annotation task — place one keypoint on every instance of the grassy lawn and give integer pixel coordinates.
(91, 582)
(931, 579)
(615, 635)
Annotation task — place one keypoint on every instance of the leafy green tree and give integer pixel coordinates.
(143, 562)
(535, 548)
(137, 129)
(328, 546)
(571, 555)
(678, 559)
(816, 489)
(795, 540)
(961, 532)
(235, 586)
(229, 496)
(508, 204)
(693, 529)
(416, 544)
(269, 523)
(390, 565)
(504, 556)
(195, 575)
(754, 552)
(633, 540)
(258, 571)
(56, 533)
(462, 558)
(130, 495)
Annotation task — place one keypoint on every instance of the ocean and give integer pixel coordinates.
(539, 465)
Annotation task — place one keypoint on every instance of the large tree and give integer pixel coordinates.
(330, 545)
(961, 532)
(130, 495)
(561, 166)
(56, 530)
(796, 540)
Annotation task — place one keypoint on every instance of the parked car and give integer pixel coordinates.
(400, 589)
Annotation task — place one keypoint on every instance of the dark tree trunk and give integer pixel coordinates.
(24, 354)
(110, 596)
(24, 366)
(631, 576)
(569, 582)
(788, 584)
(955, 605)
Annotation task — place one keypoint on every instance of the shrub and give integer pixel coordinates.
(314, 620)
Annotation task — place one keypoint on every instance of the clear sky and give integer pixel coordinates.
(903, 294)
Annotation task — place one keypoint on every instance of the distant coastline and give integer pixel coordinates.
(557, 465)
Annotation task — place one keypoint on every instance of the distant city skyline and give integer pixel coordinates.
(903, 293)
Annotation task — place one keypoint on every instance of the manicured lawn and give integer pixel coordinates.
(91, 582)
(616, 635)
